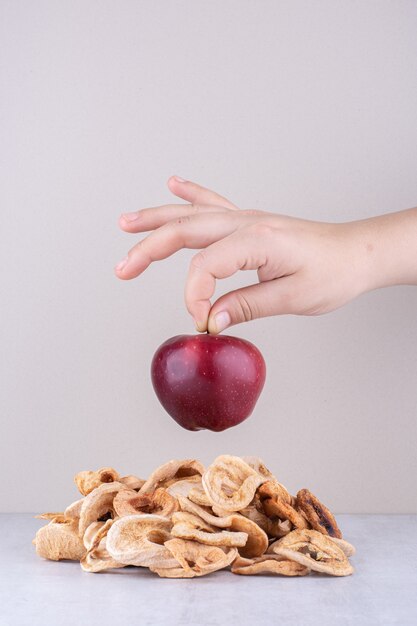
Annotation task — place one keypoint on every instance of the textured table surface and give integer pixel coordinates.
(383, 589)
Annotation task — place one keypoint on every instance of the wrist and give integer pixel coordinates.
(387, 249)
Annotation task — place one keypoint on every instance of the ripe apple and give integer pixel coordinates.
(208, 381)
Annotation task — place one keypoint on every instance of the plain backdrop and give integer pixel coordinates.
(303, 108)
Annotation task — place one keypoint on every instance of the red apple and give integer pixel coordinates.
(208, 381)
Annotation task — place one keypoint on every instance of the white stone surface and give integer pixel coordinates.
(382, 591)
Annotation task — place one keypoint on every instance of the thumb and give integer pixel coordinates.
(273, 297)
(196, 194)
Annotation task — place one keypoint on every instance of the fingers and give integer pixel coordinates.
(196, 231)
(248, 248)
(148, 219)
(194, 193)
(274, 297)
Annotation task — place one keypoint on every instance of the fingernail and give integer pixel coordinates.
(179, 179)
(221, 321)
(130, 217)
(121, 265)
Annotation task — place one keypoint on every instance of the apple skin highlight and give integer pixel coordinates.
(208, 381)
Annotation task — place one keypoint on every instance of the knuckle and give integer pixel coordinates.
(260, 229)
(245, 307)
(199, 260)
(179, 221)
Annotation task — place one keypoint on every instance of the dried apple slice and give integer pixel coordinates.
(139, 540)
(59, 540)
(195, 559)
(98, 504)
(87, 481)
(230, 483)
(160, 502)
(314, 550)
(191, 527)
(97, 557)
(268, 564)
(319, 516)
(257, 540)
(175, 469)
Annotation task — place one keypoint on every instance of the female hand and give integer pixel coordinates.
(304, 267)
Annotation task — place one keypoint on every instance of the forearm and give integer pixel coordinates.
(390, 245)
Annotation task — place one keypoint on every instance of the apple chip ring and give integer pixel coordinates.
(97, 557)
(268, 564)
(272, 526)
(132, 482)
(195, 559)
(276, 503)
(314, 550)
(230, 483)
(175, 469)
(257, 539)
(98, 504)
(160, 502)
(275, 507)
(259, 466)
(274, 489)
(198, 496)
(193, 521)
(73, 510)
(59, 540)
(319, 516)
(184, 486)
(139, 540)
(221, 538)
(87, 481)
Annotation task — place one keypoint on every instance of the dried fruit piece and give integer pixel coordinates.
(274, 489)
(175, 469)
(198, 496)
(98, 504)
(275, 507)
(160, 502)
(73, 510)
(53, 517)
(314, 550)
(190, 530)
(91, 532)
(203, 512)
(184, 486)
(194, 521)
(257, 540)
(133, 482)
(259, 466)
(88, 480)
(272, 526)
(97, 557)
(276, 504)
(219, 511)
(195, 559)
(319, 516)
(139, 540)
(268, 564)
(56, 541)
(231, 483)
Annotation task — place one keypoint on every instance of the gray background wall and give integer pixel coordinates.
(304, 108)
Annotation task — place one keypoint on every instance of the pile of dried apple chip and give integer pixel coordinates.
(186, 521)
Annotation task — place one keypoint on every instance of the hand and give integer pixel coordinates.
(304, 267)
